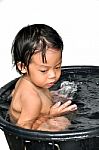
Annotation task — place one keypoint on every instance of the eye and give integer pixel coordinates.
(58, 67)
(43, 71)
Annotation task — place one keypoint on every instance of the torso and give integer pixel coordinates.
(16, 105)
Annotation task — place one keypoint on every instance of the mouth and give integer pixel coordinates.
(51, 84)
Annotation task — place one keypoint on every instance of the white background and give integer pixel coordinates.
(77, 21)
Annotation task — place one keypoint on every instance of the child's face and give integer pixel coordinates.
(45, 74)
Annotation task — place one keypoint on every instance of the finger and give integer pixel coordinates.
(65, 105)
(70, 108)
(56, 105)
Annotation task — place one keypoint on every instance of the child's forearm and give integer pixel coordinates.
(41, 119)
(26, 125)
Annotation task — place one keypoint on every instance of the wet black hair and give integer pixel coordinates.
(33, 38)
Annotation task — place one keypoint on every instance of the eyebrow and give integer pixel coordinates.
(45, 65)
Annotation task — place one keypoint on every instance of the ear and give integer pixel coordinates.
(22, 67)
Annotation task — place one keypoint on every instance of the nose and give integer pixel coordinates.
(51, 74)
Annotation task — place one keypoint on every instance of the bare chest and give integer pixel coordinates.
(46, 102)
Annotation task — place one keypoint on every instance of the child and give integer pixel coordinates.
(37, 55)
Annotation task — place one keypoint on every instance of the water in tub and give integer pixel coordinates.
(84, 91)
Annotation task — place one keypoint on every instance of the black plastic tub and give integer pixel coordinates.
(78, 138)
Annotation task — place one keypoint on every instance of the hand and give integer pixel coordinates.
(59, 110)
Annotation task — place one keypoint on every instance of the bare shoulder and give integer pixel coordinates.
(29, 96)
(26, 96)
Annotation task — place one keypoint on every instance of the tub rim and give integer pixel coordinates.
(46, 135)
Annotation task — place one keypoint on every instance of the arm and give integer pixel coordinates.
(31, 108)
(55, 121)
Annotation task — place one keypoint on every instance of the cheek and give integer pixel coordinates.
(39, 78)
(58, 74)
